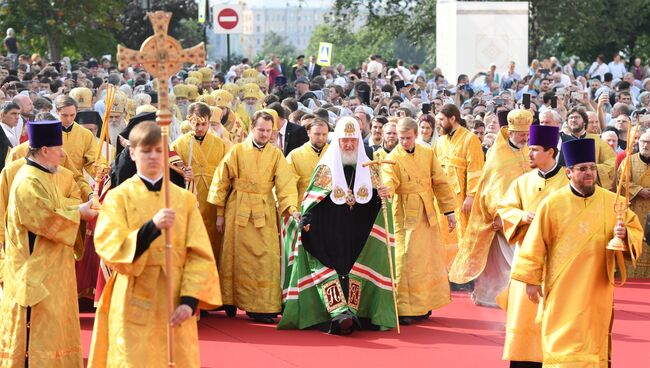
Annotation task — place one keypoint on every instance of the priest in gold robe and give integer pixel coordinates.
(484, 253)
(523, 344)
(38, 310)
(201, 152)
(460, 154)
(420, 258)
(229, 119)
(565, 262)
(303, 159)
(640, 199)
(388, 142)
(242, 190)
(132, 318)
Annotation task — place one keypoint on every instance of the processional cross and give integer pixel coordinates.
(162, 56)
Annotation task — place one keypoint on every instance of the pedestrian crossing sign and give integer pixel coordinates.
(324, 54)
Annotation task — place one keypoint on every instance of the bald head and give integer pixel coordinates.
(25, 103)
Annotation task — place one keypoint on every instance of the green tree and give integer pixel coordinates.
(277, 45)
(72, 27)
(137, 26)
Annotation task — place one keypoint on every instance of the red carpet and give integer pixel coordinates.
(459, 335)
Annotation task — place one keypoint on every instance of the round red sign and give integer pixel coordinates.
(227, 18)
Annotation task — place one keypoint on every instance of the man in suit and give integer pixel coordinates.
(313, 69)
(9, 116)
(290, 135)
(300, 65)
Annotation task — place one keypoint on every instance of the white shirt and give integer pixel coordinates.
(282, 132)
(598, 70)
(10, 132)
(617, 70)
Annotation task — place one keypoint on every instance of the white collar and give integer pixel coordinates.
(150, 181)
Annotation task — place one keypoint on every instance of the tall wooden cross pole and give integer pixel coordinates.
(162, 56)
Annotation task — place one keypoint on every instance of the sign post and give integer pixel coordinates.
(227, 20)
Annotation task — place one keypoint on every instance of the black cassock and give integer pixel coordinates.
(337, 233)
(123, 168)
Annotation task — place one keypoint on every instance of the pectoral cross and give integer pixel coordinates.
(161, 56)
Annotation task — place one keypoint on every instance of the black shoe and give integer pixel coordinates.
(265, 318)
(405, 321)
(231, 310)
(203, 313)
(422, 317)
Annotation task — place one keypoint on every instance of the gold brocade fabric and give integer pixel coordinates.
(237, 130)
(206, 156)
(131, 322)
(420, 256)
(605, 161)
(461, 158)
(565, 249)
(250, 256)
(303, 160)
(639, 179)
(523, 340)
(503, 165)
(20, 151)
(43, 280)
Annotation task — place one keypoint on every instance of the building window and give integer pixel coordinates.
(258, 29)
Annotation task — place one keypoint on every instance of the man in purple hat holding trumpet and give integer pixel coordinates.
(564, 261)
(523, 344)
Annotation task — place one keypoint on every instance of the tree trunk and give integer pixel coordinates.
(53, 46)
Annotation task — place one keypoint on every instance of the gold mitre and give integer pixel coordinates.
(251, 90)
(119, 103)
(83, 96)
(232, 88)
(519, 120)
(222, 98)
(195, 74)
(193, 81)
(207, 99)
(206, 74)
(215, 114)
(192, 92)
(250, 74)
(262, 81)
(180, 91)
(131, 106)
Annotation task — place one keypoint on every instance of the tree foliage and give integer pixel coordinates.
(137, 26)
(276, 44)
(561, 28)
(72, 27)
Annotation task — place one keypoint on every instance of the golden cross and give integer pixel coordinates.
(161, 56)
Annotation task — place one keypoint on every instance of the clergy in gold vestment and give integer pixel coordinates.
(64, 180)
(640, 199)
(483, 251)
(420, 258)
(303, 159)
(460, 154)
(207, 151)
(523, 342)
(564, 260)
(249, 265)
(38, 311)
(20, 152)
(388, 142)
(577, 122)
(131, 323)
(229, 120)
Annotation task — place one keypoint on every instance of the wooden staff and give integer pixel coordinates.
(376, 166)
(162, 56)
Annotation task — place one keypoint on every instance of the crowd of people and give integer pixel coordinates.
(288, 186)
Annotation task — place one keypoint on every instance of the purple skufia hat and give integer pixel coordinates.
(45, 133)
(579, 151)
(544, 135)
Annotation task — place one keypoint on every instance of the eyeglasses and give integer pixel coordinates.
(584, 169)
